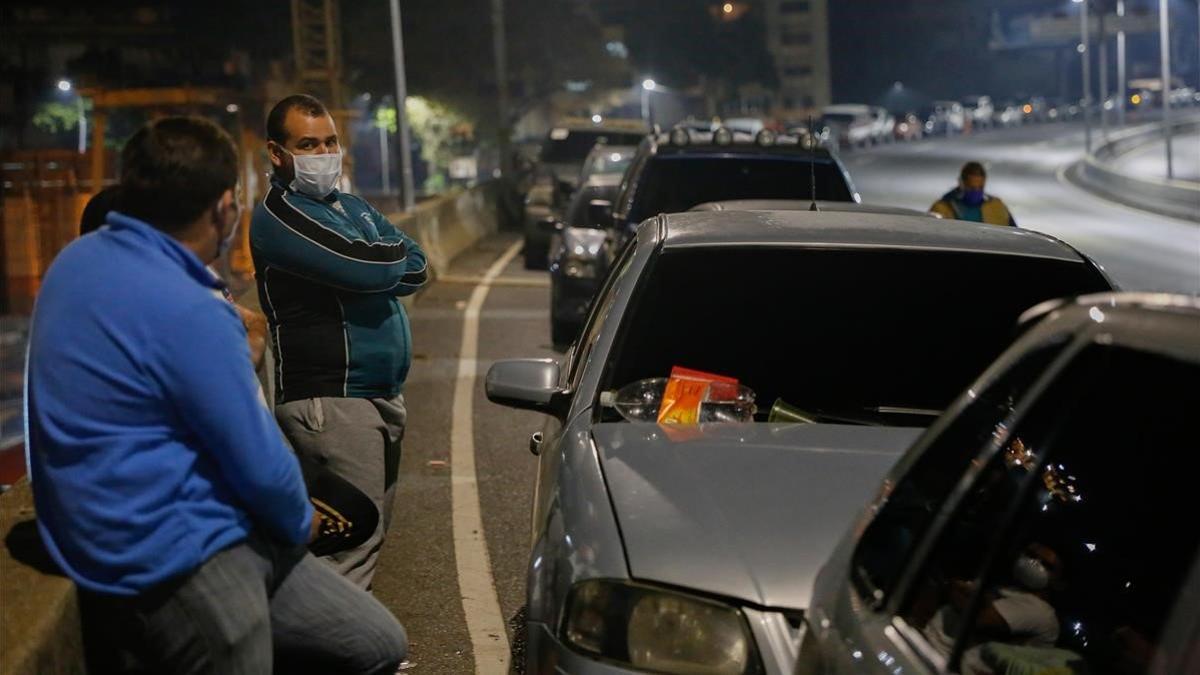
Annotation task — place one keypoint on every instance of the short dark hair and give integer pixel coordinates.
(972, 169)
(308, 105)
(173, 169)
(97, 208)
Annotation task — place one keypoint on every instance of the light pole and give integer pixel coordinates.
(1122, 90)
(648, 86)
(65, 86)
(385, 168)
(1165, 42)
(500, 54)
(406, 174)
(1085, 59)
(1103, 66)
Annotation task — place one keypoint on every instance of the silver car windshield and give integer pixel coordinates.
(871, 335)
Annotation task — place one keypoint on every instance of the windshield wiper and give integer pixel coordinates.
(902, 410)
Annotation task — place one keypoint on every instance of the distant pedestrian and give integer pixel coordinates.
(330, 269)
(968, 201)
(163, 487)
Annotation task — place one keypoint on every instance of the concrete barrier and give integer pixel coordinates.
(1175, 198)
(449, 225)
(40, 631)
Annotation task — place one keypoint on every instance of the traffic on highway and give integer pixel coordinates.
(758, 337)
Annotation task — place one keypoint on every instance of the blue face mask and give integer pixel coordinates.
(972, 197)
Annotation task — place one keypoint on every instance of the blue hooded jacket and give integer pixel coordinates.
(149, 448)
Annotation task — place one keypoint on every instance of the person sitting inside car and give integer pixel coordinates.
(1017, 613)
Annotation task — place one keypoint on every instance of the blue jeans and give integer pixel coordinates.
(254, 608)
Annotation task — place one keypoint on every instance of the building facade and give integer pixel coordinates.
(798, 39)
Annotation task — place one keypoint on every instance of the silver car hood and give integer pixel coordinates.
(747, 511)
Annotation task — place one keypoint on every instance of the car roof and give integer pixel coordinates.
(805, 205)
(602, 180)
(1159, 323)
(846, 108)
(707, 148)
(855, 229)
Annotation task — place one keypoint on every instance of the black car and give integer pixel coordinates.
(673, 173)
(575, 249)
(563, 158)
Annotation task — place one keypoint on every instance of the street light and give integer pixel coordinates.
(1164, 28)
(1085, 59)
(64, 85)
(648, 85)
(727, 8)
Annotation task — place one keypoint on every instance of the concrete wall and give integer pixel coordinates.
(1175, 198)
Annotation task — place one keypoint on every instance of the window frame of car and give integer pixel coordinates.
(1051, 414)
(1065, 346)
(629, 183)
(582, 348)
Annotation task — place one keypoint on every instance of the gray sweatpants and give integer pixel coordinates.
(357, 439)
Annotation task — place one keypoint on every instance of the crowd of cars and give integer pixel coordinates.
(966, 443)
(854, 125)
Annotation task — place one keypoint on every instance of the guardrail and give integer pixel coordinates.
(1175, 198)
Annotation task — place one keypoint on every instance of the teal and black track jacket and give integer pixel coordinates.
(329, 272)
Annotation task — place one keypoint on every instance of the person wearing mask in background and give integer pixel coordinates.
(330, 269)
(163, 487)
(969, 202)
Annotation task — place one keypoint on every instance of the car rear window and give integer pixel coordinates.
(840, 331)
(673, 184)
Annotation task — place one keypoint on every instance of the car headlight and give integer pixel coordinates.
(659, 630)
(578, 267)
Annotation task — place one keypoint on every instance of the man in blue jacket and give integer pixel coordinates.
(330, 271)
(163, 486)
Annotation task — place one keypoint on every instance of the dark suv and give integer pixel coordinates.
(673, 173)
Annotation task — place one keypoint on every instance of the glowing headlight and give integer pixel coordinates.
(659, 630)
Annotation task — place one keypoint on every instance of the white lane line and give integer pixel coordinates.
(540, 281)
(481, 607)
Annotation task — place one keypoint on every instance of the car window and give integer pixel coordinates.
(672, 184)
(595, 320)
(1086, 568)
(884, 336)
(889, 540)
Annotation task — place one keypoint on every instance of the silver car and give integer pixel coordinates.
(693, 549)
(1039, 525)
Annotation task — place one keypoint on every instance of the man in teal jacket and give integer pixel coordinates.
(330, 269)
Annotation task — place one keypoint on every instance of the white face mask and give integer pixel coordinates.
(316, 175)
(1031, 573)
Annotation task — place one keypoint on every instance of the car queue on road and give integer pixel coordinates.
(833, 352)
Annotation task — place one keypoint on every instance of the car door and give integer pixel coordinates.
(1051, 553)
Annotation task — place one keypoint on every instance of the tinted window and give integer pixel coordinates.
(577, 210)
(600, 309)
(672, 184)
(1087, 498)
(576, 146)
(885, 546)
(835, 330)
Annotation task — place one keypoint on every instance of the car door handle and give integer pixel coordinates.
(535, 443)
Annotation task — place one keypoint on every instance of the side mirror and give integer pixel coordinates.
(527, 384)
(599, 214)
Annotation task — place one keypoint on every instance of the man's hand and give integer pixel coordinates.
(316, 526)
(256, 333)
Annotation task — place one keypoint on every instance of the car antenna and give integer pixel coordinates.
(812, 165)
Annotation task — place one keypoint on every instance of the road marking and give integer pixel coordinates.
(481, 606)
(536, 282)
